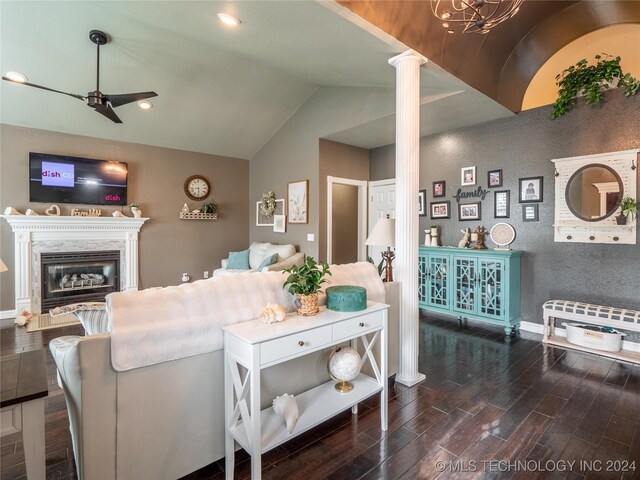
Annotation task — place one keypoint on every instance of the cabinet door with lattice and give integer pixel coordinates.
(465, 271)
(491, 278)
(438, 290)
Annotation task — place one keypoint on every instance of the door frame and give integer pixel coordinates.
(362, 214)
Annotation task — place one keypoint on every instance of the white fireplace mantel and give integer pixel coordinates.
(36, 234)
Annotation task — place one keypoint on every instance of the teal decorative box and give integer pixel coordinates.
(346, 298)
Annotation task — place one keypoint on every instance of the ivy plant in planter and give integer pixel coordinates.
(591, 81)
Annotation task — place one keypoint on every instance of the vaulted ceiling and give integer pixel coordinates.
(227, 91)
(502, 63)
(223, 91)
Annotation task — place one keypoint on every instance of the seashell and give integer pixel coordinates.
(197, 210)
(32, 213)
(272, 312)
(11, 211)
(287, 407)
(53, 210)
(118, 214)
(23, 317)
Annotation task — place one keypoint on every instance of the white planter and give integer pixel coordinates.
(607, 342)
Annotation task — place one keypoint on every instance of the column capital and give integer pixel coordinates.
(408, 55)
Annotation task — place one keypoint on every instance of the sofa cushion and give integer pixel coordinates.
(257, 252)
(283, 251)
(268, 261)
(238, 260)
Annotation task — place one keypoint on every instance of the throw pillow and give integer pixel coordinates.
(238, 260)
(270, 260)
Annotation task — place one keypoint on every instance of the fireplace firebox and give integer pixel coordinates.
(72, 277)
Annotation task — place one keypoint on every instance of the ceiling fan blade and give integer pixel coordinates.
(108, 112)
(79, 97)
(124, 98)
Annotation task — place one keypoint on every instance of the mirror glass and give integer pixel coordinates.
(594, 192)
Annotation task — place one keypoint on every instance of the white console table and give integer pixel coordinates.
(255, 345)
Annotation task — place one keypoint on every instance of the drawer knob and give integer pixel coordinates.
(569, 237)
(361, 324)
(301, 343)
(592, 237)
(615, 239)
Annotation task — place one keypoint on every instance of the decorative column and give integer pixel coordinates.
(407, 66)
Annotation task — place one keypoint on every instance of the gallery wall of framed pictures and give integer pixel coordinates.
(469, 200)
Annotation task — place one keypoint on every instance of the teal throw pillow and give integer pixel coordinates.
(238, 260)
(268, 261)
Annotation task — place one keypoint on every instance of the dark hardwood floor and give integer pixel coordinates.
(486, 405)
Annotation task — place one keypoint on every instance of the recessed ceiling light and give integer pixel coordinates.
(228, 19)
(145, 104)
(16, 77)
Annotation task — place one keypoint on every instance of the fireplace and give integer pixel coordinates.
(72, 277)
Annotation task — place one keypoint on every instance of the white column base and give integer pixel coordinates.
(410, 381)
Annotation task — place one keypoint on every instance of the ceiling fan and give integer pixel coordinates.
(101, 102)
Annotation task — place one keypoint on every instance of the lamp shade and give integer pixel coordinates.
(3, 267)
(383, 233)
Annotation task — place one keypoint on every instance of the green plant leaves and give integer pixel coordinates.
(590, 81)
(306, 278)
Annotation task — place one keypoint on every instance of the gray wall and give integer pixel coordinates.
(345, 161)
(293, 154)
(168, 245)
(523, 146)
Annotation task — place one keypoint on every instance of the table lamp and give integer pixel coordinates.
(384, 235)
(3, 267)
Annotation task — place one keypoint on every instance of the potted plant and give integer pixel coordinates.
(434, 230)
(591, 81)
(135, 210)
(209, 208)
(304, 282)
(628, 207)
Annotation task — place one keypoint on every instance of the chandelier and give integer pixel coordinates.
(476, 16)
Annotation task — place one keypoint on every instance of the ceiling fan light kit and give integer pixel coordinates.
(100, 102)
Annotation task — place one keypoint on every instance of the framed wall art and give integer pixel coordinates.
(264, 221)
(440, 210)
(530, 213)
(439, 189)
(469, 211)
(501, 204)
(468, 176)
(298, 201)
(280, 223)
(530, 189)
(494, 178)
(422, 203)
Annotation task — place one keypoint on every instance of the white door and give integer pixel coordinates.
(382, 201)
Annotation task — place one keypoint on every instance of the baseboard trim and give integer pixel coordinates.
(4, 314)
(561, 332)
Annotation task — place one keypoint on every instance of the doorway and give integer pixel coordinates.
(382, 202)
(346, 220)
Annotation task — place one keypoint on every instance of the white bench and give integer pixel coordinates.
(618, 318)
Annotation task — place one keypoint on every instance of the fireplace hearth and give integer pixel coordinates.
(72, 277)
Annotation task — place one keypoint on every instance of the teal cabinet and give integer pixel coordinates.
(478, 284)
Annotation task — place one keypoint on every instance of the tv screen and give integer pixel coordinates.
(60, 179)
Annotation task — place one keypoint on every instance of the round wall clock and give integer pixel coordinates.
(502, 234)
(197, 187)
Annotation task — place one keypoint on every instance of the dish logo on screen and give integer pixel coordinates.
(57, 174)
(112, 198)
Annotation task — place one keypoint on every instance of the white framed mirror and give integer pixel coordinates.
(588, 191)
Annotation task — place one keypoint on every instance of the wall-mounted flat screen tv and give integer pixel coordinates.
(61, 179)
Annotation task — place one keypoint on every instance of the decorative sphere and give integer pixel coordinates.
(344, 364)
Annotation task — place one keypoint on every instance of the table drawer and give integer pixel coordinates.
(353, 326)
(293, 344)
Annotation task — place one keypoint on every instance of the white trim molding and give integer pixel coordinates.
(36, 234)
(4, 314)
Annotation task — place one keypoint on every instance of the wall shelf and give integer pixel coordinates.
(198, 216)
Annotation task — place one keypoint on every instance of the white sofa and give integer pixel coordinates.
(287, 258)
(166, 420)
